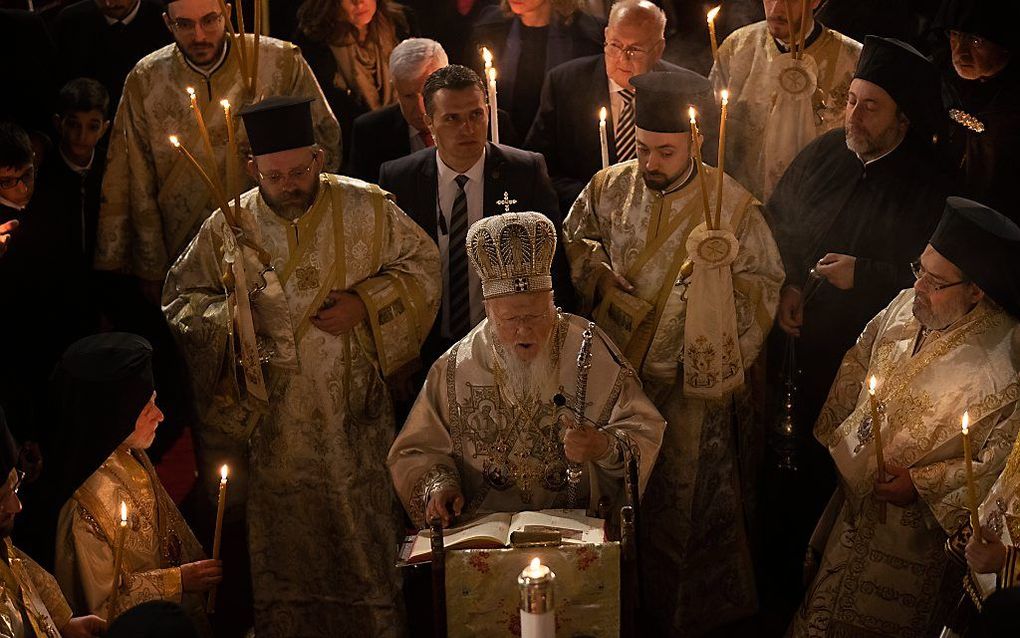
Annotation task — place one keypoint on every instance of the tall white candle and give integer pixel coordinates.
(493, 107)
(538, 612)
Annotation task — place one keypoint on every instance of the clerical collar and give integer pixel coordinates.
(126, 20)
(77, 168)
(816, 31)
(872, 161)
(207, 73)
(681, 181)
(9, 204)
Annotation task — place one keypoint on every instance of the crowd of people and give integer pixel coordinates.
(295, 257)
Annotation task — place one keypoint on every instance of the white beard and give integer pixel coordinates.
(529, 380)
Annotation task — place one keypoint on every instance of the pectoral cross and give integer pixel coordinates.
(506, 202)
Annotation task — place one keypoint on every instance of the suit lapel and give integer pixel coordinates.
(401, 133)
(428, 194)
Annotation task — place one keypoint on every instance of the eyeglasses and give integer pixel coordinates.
(614, 50)
(973, 41)
(276, 178)
(920, 274)
(26, 178)
(208, 23)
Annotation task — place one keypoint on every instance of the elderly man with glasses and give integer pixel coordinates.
(565, 129)
(346, 287)
(940, 353)
(153, 203)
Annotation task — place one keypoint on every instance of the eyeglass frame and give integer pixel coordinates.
(27, 178)
(920, 273)
(208, 22)
(293, 174)
(630, 53)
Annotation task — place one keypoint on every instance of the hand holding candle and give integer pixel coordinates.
(538, 607)
(972, 503)
(603, 140)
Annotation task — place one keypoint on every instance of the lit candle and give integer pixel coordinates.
(696, 145)
(538, 613)
(221, 506)
(972, 504)
(725, 96)
(493, 108)
(876, 430)
(232, 157)
(711, 33)
(213, 190)
(118, 559)
(206, 140)
(603, 141)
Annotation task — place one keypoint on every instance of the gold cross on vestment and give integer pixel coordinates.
(506, 202)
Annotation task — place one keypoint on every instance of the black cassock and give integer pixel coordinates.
(882, 213)
(991, 158)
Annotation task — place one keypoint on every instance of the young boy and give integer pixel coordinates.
(71, 176)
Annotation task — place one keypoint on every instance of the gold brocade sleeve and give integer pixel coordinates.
(846, 387)
(130, 233)
(757, 277)
(1009, 576)
(421, 457)
(943, 485)
(403, 298)
(48, 590)
(195, 307)
(93, 562)
(584, 244)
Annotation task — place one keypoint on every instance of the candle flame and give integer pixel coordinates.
(123, 512)
(225, 104)
(872, 384)
(175, 141)
(602, 115)
(487, 56)
(966, 422)
(693, 114)
(492, 74)
(223, 472)
(725, 97)
(535, 563)
(191, 91)
(712, 13)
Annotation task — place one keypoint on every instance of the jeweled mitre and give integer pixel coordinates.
(512, 253)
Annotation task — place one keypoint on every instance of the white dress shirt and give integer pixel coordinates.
(474, 191)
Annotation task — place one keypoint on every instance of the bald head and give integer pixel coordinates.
(635, 39)
(640, 14)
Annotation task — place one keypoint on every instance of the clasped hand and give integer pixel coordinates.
(340, 313)
(582, 443)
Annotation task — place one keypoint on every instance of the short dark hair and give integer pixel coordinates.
(15, 146)
(81, 95)
(454, 77)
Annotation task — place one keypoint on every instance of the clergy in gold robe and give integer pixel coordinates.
(152, 202)
(120, 540)
(506, 412)
(941, 349)
(778, 102)
(31, 603)
(631, 238)
(332, 289)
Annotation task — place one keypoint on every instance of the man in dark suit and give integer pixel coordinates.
(447, 188)
(399, 129)
(104, 39)
(566, 127)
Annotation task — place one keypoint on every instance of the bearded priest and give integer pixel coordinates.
(506, 409)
